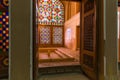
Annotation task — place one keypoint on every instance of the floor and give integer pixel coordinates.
(58, 57)
(65, 76)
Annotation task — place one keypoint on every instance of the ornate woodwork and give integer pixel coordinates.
(88, 32)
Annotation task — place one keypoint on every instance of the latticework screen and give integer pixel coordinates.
(45, 37)
(57, 35)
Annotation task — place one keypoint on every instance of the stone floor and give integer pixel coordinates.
(65, 76)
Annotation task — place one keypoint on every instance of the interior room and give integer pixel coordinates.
(58, 33)
(21, 39)
(21, 50)
(58, 37)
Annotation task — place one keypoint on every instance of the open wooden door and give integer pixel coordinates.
(35, 42)
(88, 39)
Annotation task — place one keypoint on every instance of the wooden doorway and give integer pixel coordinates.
(88, 42)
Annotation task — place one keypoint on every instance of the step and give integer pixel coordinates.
(65, 53)
(60, 54)
(54, 57)
(60, 69)
(46, 49)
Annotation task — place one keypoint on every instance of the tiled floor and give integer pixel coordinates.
(65, 76)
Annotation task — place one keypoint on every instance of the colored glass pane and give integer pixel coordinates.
(4, 30)
(57, 35)
(45, 35)
(50, 12)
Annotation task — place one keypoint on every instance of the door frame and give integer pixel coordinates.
(99, 40)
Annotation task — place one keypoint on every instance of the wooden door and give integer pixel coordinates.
(88, 39)
(35, 43)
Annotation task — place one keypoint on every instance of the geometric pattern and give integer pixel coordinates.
(50, 12)
(45, 37)
(4, 31)
(4, 38)
(88, 32)
(57, 35)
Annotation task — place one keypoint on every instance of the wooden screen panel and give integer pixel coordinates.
(88, 39)
(89, 5)
(88, 32)
(57, 35)
(45, 35)
(50, 36)
(88, 61)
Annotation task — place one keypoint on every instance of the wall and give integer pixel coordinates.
(20, 39)
(70, 31)
(111, 41)
(71, 8)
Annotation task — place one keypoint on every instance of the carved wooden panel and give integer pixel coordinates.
(89, 5)
(88, 32)
(88, 60)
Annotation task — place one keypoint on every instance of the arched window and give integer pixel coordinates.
(50, 19)
(50, 12)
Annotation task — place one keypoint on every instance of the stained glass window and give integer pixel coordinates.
(45, 35)
(50, 12)
(4, 37)
(57, 35)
